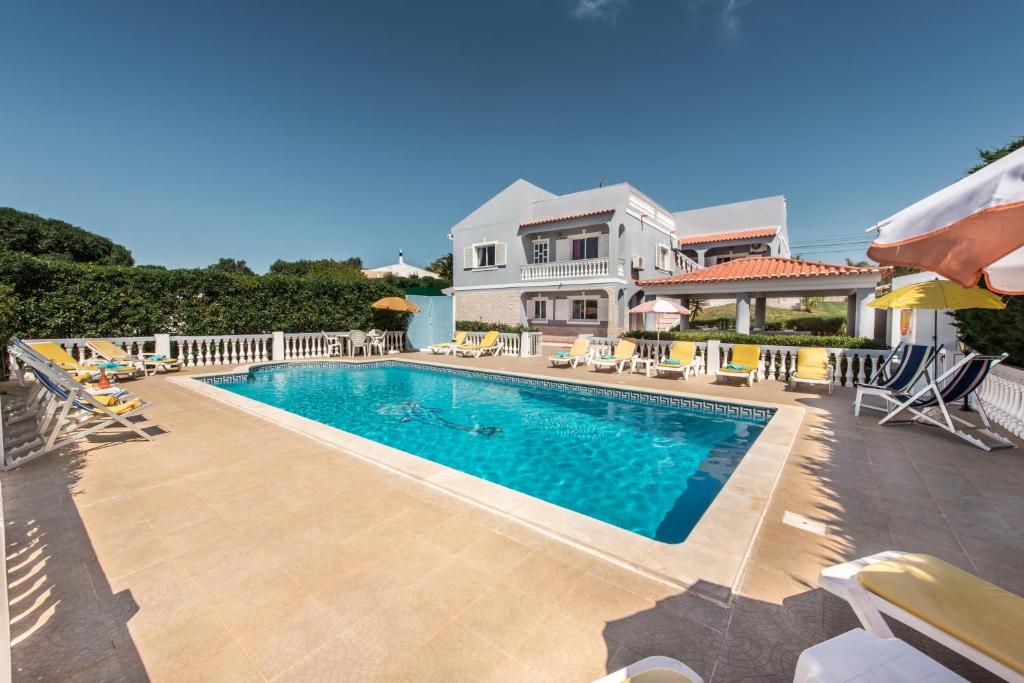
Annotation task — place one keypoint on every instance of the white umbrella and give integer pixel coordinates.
(659, 306)
(973, 227)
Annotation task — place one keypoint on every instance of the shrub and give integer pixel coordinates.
(765, 339)
(992, 331)
(474, 326)
(62, 299)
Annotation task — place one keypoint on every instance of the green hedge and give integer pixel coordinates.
(62, 299)
(832, 325)
(474, 326)
(833, 341)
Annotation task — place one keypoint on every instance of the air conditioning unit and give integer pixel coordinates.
(638, 263)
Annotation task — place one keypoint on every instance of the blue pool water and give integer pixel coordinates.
(630, 461)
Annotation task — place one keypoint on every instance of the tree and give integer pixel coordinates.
(696, 307)
(28, 233)
(442, 266)
(230, 265)
(809, 303)
(990, 155)
(851, 262)
(349, 269)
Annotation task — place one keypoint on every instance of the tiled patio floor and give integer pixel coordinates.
(230, 548)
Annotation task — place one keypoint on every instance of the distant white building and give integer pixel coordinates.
(400, 269)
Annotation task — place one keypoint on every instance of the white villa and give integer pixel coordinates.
(576, 263)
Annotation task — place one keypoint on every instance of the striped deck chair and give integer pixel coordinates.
(912, 363)
(931, 404)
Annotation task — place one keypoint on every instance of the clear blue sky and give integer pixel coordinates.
(262, 130)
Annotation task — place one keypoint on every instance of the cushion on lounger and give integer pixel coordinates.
(660, 676)
(812, 364)
(982, 615)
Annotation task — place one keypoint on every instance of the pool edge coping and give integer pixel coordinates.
(710, 561)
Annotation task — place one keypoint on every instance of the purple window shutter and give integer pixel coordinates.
(577, 249)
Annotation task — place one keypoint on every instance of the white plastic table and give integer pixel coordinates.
(859, 656)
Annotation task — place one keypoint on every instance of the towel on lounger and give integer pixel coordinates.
(671, 361)
(562, 354)
(733, 366)
(607, 356)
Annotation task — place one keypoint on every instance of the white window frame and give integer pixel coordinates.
(548, 306)
(476, 254)
(584, 321)
(663, 258)
(547, 250)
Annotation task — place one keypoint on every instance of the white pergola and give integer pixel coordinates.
(754, 283)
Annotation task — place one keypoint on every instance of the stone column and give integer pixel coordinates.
(865, 314)
(760, 309)
(277, 346)
(614, 324)
(700, 257)
(743, 313)
(684, 320)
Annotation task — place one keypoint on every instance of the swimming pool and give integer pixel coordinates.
(645, 462)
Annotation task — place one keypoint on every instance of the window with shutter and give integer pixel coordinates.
(500, 253)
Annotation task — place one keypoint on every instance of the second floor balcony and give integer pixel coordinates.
(577, 268)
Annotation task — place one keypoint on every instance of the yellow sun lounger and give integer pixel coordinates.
(682, 359)
(445, 348)
(65, 361)
(145, 362)
(490, 344)
(625, 350)
(580, 351)
(745, 364)
(969, 615)
(812, 367)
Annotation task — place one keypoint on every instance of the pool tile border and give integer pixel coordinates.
(709, 562)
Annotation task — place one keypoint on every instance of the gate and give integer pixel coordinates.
(433, 324)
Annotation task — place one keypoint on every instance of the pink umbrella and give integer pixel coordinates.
(659, 306)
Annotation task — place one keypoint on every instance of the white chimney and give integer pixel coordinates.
(401, 257)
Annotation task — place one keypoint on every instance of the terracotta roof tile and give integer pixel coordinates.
(565, 218)
(734, 235)
(759, 268)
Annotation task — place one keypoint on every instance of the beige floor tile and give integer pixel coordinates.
(505, 616)
(454, 654)
(278, 644)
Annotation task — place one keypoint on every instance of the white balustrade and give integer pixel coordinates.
(557, 270)
(1002, 394)
(223, 349)
(645, 205)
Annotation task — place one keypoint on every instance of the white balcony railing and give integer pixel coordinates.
(558, 270)
(654, 211)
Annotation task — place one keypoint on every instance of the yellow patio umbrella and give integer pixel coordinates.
(938, 295)
(395, 303)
